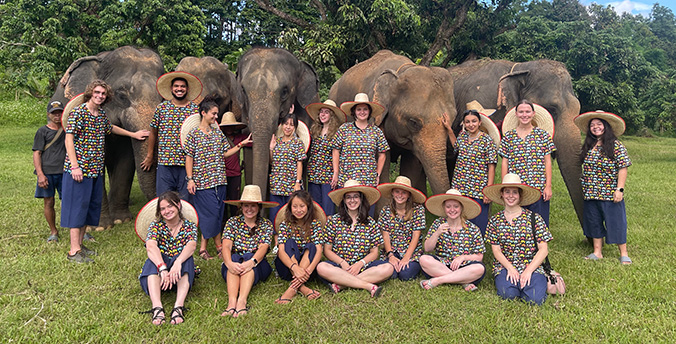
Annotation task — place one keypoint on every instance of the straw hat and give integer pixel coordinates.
(193, 121)
(435, 204)
(616, 122)
(542, 119)
(302, 132)
(319, 214)
(147, 215)
(529, 194)
(487, 124)
(372, 194)
(229, 120)
(313, 110)
(72, 104)
(252, 194)
(403, 183)
(164, 85)
(363, 98)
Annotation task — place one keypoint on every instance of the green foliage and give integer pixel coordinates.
(25, 111)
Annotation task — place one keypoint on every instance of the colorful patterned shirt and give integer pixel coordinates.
(286, 232)
(526, 157)
(401, 232)
(320, 164)
(471, 167)
(168, 120)
(89, 138)
(599, 174)
(168, 244)
(206, 150)
(464, 241)
(244, 242)
(352, 244)
(516, 240)
(285, 158)
(358, 150)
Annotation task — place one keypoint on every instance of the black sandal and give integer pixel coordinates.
(179, 314)
(158, 313)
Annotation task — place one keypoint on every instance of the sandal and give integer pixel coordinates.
(281, 301)
(158, 314)
(426, 284)
(592, 256)
(179, 315)
(53, 238)
(204, 254)
(625, 260)
(313, 295)
(376, 291)
(335, 288)
(469, 287)
(228, 311)
(239, 311)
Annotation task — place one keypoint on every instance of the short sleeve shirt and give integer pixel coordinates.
(286, 232)
(89, 138)
(516, 240)
(285, 157)
(467, 240)
(168, 119)
(52, 158)
(243, 241)
(470, 176)
(358, 149)
(168, 244)
(599, 174)
(401, 231)
(206, 150)
(526, 157)
(320, 163)
(352, 244)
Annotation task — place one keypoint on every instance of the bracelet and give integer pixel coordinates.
(255, 262)
(239, 145)
(364, 262)
(291, 267)
(160, 265)
(388, 253)
(341, 263)
(75, 168)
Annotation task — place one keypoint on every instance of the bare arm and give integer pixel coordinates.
(299, 175)
(491, 180)
(188, 173)
(547, 194)
(138, 135)
(238, 147)
(147, 163)
(505, 167)
(37, 163)
(75, 170)
(380, 164)
(447, 124)
(335, 158)
(621, 180)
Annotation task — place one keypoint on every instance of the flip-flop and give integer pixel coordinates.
(281, 301)
(227, 312)
(469, 287)
(237, 312)
(204, 254)
(376, 291)
(89, 237)
(334, 288)
(426, 284)
(313, 295)
(592, 256)
(625, 260)
(53, 238)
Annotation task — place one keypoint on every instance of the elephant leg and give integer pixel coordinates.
(105, 222)
(567, 155)
(412, 168)
(248, 165)
(120, 165)
(384, 178)
(450, 161)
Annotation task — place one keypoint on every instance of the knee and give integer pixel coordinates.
(426, 259)
(508, 292)
(49, 202)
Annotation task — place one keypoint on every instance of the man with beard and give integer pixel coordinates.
(179, 89)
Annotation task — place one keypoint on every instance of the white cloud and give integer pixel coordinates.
(631, 7)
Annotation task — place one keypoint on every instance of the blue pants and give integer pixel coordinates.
(535, 293)
(149, 268)
(81, 204)
(320, 194)
(605, 219)
(540, 207)
(171, 178)
(210, 208)
(482, 220)
(292, 250)
(261, 272)
(53, 185)
(408, 273)
(282, 200)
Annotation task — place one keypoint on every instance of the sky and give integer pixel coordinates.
(633, 6)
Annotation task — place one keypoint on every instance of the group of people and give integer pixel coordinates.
(334, 219)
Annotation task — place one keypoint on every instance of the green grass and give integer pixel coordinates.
(44, 298)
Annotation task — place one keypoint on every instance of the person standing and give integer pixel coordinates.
(233, 167)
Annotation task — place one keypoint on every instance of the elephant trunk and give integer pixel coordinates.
(568, 146)
(263, 125)
(430, 148)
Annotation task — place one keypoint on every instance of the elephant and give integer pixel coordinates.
(503, 83)
(273, 79)
(131, 73)
(415, 97)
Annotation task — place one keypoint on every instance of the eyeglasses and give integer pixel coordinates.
(352, 197)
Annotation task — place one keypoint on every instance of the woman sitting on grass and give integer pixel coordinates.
(352, 240)
(457, 243)
(171, 238)
(299, 223)
(246, 240)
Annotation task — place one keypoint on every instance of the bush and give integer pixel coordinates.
(25, 112)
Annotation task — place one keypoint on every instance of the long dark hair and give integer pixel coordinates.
(352, 110)
(304, 224)
(362, 212)
(472, 113)
(174, 200)
(607, 141)
(259, 218)
(207, 104)
(288, 116)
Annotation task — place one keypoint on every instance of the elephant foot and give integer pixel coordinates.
(121, 221)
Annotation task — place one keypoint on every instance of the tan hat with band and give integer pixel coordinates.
(529, 194)
(147, 215)
(616, 122)
(252, 194)
(435, 204)
(403, 183)
(372, 194)
(165, 81)
(541, 119)
(363, 98)
(314, 108)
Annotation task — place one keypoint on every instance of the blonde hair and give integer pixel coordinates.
(317, 126)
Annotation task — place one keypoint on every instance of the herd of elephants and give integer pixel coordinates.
(269, 80)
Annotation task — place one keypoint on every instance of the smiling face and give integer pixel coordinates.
(596, 127)
(298, 208)
(511, 196)
(453, 209)
(525, 113)
(324, 115)
(472, 123)
(210, 116)
(99, 95)
(179, 89)
(400, 196)
(288, 128)
(362, 112)
(168, 211)
(250, 210)
(352, 200)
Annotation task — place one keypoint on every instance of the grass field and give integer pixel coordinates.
(44, 298)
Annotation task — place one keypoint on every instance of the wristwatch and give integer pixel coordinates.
(187, 178)
(620, 190)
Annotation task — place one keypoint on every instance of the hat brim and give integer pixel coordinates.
(541, 119)
(489, 127)
(616, 122)
(263, 204)
(193, 121)
(376, 109)
(72, 104)
(529, 194)
(163, 85)
(435, 205)
(372, 194)
(281, 214)
(386, 191)
(302, 131)
(147, 215)
(313, 111)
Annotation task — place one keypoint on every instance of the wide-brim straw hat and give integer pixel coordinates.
(163, 85)
(541, 119)
(147, 216)
(372, 194)
(529, 194)
(403, 183)
(252, 194)
(319, 214)
(616, 122)
(72, 104)
(313, 110)
(435, 204)
(363, 98)
(302, 132)
(475, 105)
(229, 120)
(193, 121)
(487, 124)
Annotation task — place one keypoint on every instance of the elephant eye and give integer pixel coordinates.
(414, 124)
(285, 93)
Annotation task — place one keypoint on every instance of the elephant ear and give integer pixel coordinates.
(308, 85)
(510, 86)
(80, 73)
(237, 97)
(382, 91)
